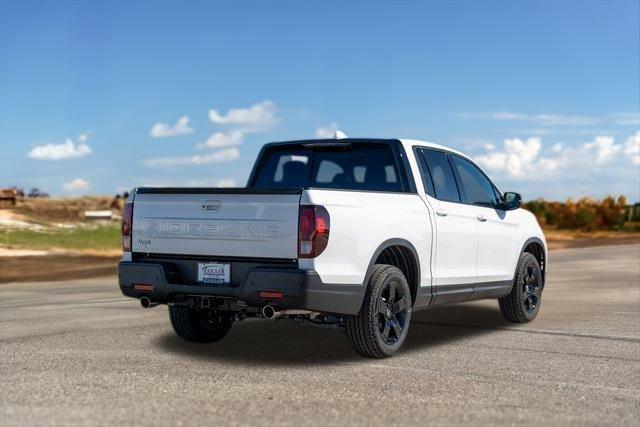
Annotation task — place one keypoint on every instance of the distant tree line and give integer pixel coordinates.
(587, 214)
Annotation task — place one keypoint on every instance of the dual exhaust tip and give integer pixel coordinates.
(145, 302)
(269, 312)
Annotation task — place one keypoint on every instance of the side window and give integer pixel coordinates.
(475, 187)
(424, 173)
(443, 181)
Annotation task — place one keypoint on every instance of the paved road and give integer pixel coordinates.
(79, 353)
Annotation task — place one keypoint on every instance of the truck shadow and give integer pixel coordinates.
(284, 343)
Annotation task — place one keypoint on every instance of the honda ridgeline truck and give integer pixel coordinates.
(350, 233)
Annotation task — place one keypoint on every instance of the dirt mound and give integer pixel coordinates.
(64, 210)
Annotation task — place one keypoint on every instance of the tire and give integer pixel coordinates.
(198, 326)
(381, 326)
(523, 303)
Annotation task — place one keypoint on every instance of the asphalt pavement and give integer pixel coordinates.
(79, 353)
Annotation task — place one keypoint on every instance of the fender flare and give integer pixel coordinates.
(544, 249)
(387, 244)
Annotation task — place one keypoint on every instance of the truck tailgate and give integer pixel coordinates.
(249, 223)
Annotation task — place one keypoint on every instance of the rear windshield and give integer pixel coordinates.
(368, 167)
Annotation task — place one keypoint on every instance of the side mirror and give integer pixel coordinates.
(511, 201)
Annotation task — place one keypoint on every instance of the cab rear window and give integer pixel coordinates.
(366, 167)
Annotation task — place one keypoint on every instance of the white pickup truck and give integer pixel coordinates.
(350, 233)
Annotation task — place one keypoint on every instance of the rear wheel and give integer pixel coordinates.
(523, 303)
(198, 325)
(381, 326)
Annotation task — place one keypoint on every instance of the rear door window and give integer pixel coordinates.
(442, 178)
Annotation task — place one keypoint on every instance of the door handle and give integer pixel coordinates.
(441, 213)
(481, 218)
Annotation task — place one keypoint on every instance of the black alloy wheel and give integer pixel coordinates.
(523, 302)
(381, 326)
(392, 312)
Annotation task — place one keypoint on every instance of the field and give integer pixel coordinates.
(58, 225)
(42, 239)
(99, 238)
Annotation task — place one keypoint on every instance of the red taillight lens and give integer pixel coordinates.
(313, 231)
(127, 222)
(270, 294)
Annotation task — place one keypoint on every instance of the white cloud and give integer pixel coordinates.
(221, 140)
(542, 119)
(66, 150)
(517, 158)
(257, 118)
(632, 148)
(632, 119)
(524, 160)
(604, 147)
(228, 182)
(327, 132)
(221, 156)
(164, 130)
(78, 185)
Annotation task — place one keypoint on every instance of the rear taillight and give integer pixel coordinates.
(127, 222)
(313, 231)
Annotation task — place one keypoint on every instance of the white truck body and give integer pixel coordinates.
(420, 219)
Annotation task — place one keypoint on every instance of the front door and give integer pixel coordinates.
(456, 230)
(497, 229)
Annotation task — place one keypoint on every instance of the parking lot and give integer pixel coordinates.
(78, 352)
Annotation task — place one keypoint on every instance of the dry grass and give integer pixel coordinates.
(563, 239)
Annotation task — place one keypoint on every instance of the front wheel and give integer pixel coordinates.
(523, 303)
(200, 326)
(381, 326)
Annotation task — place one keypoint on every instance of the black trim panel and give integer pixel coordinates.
(491, 290)
(445, 294)
(301, 289)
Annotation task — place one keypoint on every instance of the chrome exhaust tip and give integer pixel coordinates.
(146, 303)
(268, 312)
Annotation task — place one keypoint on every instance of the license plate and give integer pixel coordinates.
(214, 272)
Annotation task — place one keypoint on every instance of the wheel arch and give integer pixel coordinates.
(536, 247)
(402, 254)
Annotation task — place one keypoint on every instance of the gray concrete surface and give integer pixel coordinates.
(80, 353)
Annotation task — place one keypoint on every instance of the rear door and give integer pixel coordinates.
(247, 223)
(497, 229)
(456, 230)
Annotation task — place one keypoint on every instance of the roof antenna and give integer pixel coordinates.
(340, 135)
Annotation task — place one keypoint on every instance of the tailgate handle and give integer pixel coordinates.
(211, 205)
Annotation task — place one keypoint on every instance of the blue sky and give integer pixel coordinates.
(93, 95)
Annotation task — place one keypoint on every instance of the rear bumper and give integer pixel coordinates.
(301, 289)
